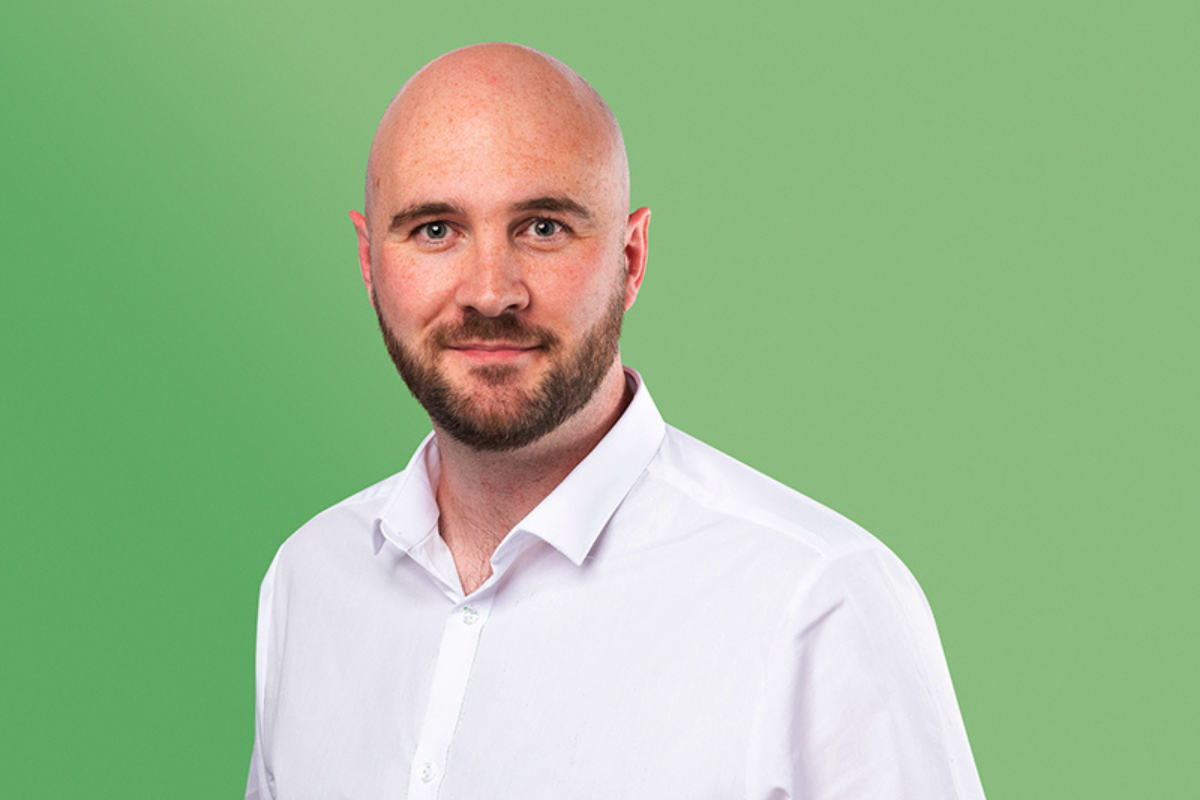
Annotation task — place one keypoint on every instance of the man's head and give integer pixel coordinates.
(497, 245)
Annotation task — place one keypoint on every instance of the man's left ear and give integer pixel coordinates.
(636, 248)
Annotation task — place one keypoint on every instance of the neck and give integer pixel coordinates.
(481, 495)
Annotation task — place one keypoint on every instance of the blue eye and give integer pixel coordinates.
(435, 230)
(545, 227)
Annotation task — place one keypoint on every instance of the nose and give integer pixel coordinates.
(492, 282)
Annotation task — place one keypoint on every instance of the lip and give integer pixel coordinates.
(491, 346)
(493, 351)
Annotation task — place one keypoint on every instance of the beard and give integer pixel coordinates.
(507, 416)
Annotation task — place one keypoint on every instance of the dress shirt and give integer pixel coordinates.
(667, 624)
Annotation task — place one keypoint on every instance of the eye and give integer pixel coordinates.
(545, 228)
(434, 230)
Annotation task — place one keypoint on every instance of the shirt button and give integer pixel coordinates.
(469, 615)
(427, 772)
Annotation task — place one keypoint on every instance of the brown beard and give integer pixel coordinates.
(523, 416)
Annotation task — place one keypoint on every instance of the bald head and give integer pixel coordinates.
(499, 97)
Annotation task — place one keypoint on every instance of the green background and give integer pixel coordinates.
(933, 265)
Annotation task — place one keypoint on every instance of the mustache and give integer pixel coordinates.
(476, 327)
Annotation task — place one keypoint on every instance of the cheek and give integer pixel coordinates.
(581, 299)
(409, 296)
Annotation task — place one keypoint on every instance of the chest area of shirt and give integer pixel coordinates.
(545, 689)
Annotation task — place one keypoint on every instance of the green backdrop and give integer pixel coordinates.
(933, 265)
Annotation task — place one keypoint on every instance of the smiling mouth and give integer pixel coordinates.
(493, 347)
(494, 353)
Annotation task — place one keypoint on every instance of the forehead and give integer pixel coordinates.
(477, 136)
(466, 145)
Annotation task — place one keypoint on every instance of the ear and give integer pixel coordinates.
(364, 251)
(636, 249)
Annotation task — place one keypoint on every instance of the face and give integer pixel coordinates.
(500, 262)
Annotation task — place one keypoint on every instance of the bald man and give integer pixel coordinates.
(561, 596)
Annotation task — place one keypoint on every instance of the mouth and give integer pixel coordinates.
(493, 346)
(493, 352)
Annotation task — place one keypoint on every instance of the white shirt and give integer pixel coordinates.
(667, 623)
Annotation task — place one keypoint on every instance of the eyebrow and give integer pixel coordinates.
(562, 205)
(407, 215)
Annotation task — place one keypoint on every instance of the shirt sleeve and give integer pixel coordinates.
(856, 700)
(259, 785)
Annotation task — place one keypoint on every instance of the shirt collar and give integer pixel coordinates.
(572, 516)
(410, 514)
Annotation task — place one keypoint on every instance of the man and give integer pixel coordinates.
(560, 596)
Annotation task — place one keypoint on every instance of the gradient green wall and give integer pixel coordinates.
(933, 265)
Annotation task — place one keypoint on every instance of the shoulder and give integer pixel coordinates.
(344, 530)
(756, 504)
(814, 555)
(756, 545)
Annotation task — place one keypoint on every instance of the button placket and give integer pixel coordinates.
(456, 655)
